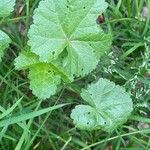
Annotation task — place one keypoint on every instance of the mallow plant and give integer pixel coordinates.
(65, 43)
(107, 107)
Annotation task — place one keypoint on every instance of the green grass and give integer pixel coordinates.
(29, 123)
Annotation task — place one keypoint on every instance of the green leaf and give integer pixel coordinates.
(71, 26)
(4, 43)
(109, 107)
(6, 7)
(43, 82)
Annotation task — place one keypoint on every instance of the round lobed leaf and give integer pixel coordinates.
(69, 25)
(109, 106)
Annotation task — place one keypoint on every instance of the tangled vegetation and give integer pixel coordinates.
(74, 74)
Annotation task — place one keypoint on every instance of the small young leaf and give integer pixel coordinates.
(6, 7)
(44, 77)
(4, 43)
(109, 106)
(43, 82)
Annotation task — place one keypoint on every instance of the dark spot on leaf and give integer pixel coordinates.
(89, 113)
(87, 122)
(67, 6)
(105, 122)
(84, 7)
(100, 19)
(53, 52)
